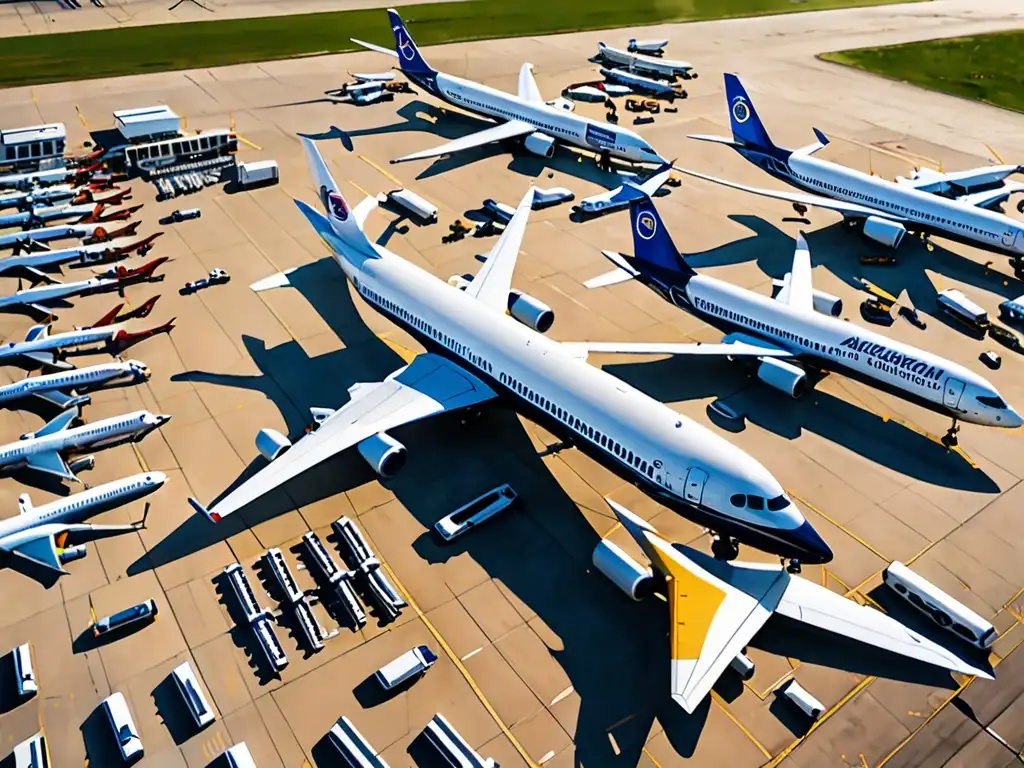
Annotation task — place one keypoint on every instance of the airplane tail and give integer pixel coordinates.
(108, 319)
(747, 128)
(125, 339)
(652, 243)
(410, 60)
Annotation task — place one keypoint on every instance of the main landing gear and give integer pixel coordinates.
(801, 209)
(724, 547)
(793, 566)
(949, 439)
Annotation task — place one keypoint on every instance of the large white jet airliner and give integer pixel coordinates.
(524, 115)
(952, 205)
(479, 353)
(800, 326)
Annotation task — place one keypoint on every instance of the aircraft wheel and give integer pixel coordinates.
(724, 547)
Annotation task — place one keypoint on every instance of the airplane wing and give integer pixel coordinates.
(51, 462)
(60, 399)
(732, 349)
(528, 89)
(656, 181)
(509, 130)
(991, 197)
(429, 385)
(798, 291)
(494, 281)
(40, 552)
(852, 210)
(56, 424)
(375, 47)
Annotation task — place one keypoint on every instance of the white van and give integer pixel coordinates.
(408, 665)
(120, 720)
(142, 612)
(239, 756)
(957, 305)
(476, 512)
(804, 701)
(23, 671)
(195, 701)
(260, 172)
(1012, 310)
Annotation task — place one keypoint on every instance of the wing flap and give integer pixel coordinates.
(510, 130)
(494, 281)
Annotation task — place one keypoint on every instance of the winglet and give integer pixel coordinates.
(213, 517)
(821, 137)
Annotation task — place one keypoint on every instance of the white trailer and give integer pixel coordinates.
(147, 123)
(261, 172)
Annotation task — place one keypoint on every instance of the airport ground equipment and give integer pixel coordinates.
(410, 664)
(544, 198)
(263, 628)
(991, 360)
(622, 570)
(238, 756)
(452, 746)
(742, 666)
(1004, 336)
(500, 211)
(586, 93)
(639, 62)
(642, 120)
(187, 683)
(802, 699)
(217, 276)
(388, 599)
(296, 599)
(149, 123)
(144, 611)
(337, 583)
(120, 718)
(357, 550)
(477, 511)
(258, 173)
(353, 746)
(649, 47)
(31, 753)
(24, 674)
(956, 305)
(34, 146)
(184, 214)
(1012, 310)
(412, 204)
(947, 612)
(243, 592)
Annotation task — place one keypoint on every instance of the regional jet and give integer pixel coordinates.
(86, 213)
(54, 534)
(33, 265)
(45, 449)
(68, 389)
(36, 239)
(484, 346)
(27, 198)
(952, 205)
(523, 116)
(801, 326)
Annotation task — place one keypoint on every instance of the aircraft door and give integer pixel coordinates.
(1018, 243)
(1008, 238)
(951, 394)
(695, 481)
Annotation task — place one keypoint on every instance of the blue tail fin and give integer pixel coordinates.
(652, 243)
(410, 59)
(746, 125)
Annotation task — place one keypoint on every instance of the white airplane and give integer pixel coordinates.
(639, 62)
(68, 389)
(32, 264)
(954, 205)
(716, 608)
(44, 450)
(618, 198)
(36, 239)
(68, 173)
(525, 115)
(485, 347)
(46, 536)
(41, 349)
(801, 325)
(86, 213)
(27, 198)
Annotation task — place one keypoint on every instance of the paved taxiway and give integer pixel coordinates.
(539, 655)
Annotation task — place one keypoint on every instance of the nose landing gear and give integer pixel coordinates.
(949, 439)
(793, 566)
(724, 547)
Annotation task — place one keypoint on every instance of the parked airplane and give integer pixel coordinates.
(479, 353)
(27, 198)
(68, 389)
(953, 205)
(87, 213)
(639, 83)
(45, 449)
(70, 174)
(32, 264)
(36, 239)
(639, 62)
(54, 534)
(42, 350)
(716, 608)
(39, 302)
(800, 325)
(524, 115)
(618, 198)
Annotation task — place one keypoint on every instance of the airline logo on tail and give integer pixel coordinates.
(337, 206)
(405, 46)
(646, 226)
(740, 109)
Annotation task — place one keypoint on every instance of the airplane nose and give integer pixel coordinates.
(806, 539)
(1012, 419)
(157, 478)
(162, 418)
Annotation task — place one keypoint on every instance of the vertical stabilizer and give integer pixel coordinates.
(747, 128)
(410, 60)
(652, 243)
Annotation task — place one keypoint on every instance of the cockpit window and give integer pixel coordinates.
(755, 502)
(738, 499)
(992, 401)
(648, 150)
(779, 502)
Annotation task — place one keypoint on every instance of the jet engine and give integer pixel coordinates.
(382, 452)
(783, 376)
(622, 570)
(540, 144)
(70, 554)
(81, 465)
(531, 312)
(271, 443)
(888, 233)
(827, 304)
(320, 415)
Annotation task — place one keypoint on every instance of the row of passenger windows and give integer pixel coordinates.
(176, 147)
(34, 149)
(749, 322)
(490, 108)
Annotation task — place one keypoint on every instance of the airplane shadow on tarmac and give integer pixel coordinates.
(615, 652)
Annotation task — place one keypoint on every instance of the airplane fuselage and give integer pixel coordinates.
(46, 293)
(45, 234)
(79, 380)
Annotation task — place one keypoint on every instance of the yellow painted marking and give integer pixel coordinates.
(842, 528)
(693, 602)
(927, 720)
(365, 193)
(402, 351)
(746, 732)
(995, 154)
(376, 167)
(81, 117)
(763, 695)
(33, 92)
(138, 455)
(248, 143)
(650, 757)
(863, 760)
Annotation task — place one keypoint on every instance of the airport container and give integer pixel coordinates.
(24, 674)
(956, 304)
(141, 612)
(120, 719)
(452, 747)
(243, 592)
(408, 665)
(283, 575)
(476, 512)
(32, 753)
(357, 551)
(622, 570)
(238, 756)
(742, 666)
(263, 627)
(188, 686)
(586, 93)
(415, 205)
(354, 748)
(944, 610)
(261, 172)
(147, 122)
(803, 700)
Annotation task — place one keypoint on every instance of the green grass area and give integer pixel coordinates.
(38, 59)
(987, 68)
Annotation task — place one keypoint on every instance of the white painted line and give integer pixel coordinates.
(472, 653)
(546, 757)
(561, 696)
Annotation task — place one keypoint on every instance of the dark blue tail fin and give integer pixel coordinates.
(652, 243)
(746, 125)
(410, 60)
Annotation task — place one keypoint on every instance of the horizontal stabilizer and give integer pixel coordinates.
(278, 280)
(614, 277)
(56, 424)
(375, 47)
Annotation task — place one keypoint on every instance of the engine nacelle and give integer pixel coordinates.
(540, 144)
(531, 312)
(383, 453)
(271, 443)
(622, 570)
(70, 554)
(320, 415)
(782, 376)
(888, 233)
(458, 281)
(82, 465)
(827, 304)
